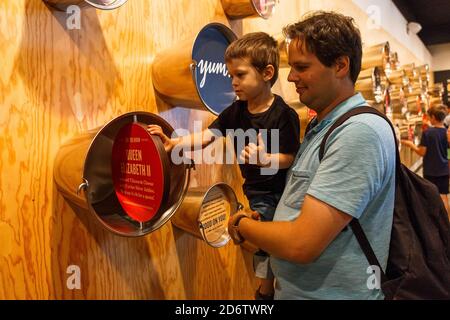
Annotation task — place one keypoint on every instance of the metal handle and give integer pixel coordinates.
(193, 66)
(83, 186)
(202, 231)
(186, 185)
(192, 164)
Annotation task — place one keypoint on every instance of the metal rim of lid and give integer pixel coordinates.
(264, 16)
(63, 7)
(230, 36)
(114, 5)
(163, 218)
(229, 190)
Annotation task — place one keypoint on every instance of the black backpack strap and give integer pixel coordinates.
(354, 224)
(349, 114)
(366, 247)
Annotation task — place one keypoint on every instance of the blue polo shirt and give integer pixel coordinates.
(356, 176)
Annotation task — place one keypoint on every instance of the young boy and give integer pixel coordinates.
(433, 147)
(252, 63)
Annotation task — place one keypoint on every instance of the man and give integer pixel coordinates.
(314, 255)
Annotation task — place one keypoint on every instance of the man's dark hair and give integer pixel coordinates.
(259, 48)
(329, 35)
(439, 112)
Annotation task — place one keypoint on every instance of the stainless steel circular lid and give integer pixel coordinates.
(209, 70)
(218, 204)
(108, 203)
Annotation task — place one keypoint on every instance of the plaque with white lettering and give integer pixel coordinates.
(139, 172)
(211, 74)
(214, 214)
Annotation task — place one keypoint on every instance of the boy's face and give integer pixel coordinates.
(315, 83)
(247, 82)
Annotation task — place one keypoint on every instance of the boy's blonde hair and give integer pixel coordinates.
(439, 112)
(259, 48)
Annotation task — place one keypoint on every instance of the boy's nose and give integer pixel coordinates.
(292, 77)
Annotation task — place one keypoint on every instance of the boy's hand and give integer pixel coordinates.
(258, 152)
(157, 130)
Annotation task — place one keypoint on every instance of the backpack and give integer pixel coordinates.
(418, 264)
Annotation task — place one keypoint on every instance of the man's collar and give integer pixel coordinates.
(347, 105)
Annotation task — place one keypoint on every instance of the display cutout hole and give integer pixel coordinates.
(129, 184)
(205, 213)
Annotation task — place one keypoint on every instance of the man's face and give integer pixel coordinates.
(315, 83)
(247, 82)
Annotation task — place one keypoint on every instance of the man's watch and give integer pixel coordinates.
(234, 232)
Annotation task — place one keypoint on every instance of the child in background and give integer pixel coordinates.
(252, 63)
(433, 148)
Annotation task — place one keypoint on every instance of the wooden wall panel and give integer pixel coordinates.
(56, 83)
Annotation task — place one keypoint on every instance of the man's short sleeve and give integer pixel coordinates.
(356, 164)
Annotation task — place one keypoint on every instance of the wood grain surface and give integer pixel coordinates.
(58, 83)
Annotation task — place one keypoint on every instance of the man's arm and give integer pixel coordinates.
(302, 240)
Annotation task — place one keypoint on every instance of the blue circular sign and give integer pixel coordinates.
(211, 74)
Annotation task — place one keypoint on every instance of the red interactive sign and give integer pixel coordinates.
(137, 172)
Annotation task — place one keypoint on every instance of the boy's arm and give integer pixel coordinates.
(284, 160)
(420, 150)
(193, 141)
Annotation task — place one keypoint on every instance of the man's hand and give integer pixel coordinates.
(255, 154)
(233, 230)
(169, 144)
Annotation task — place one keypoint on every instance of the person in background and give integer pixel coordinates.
(447, 125)
(447, 118)
(252, 63)
(433, 148)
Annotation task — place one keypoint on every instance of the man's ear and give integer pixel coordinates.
(268, 72)
(342, 67)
